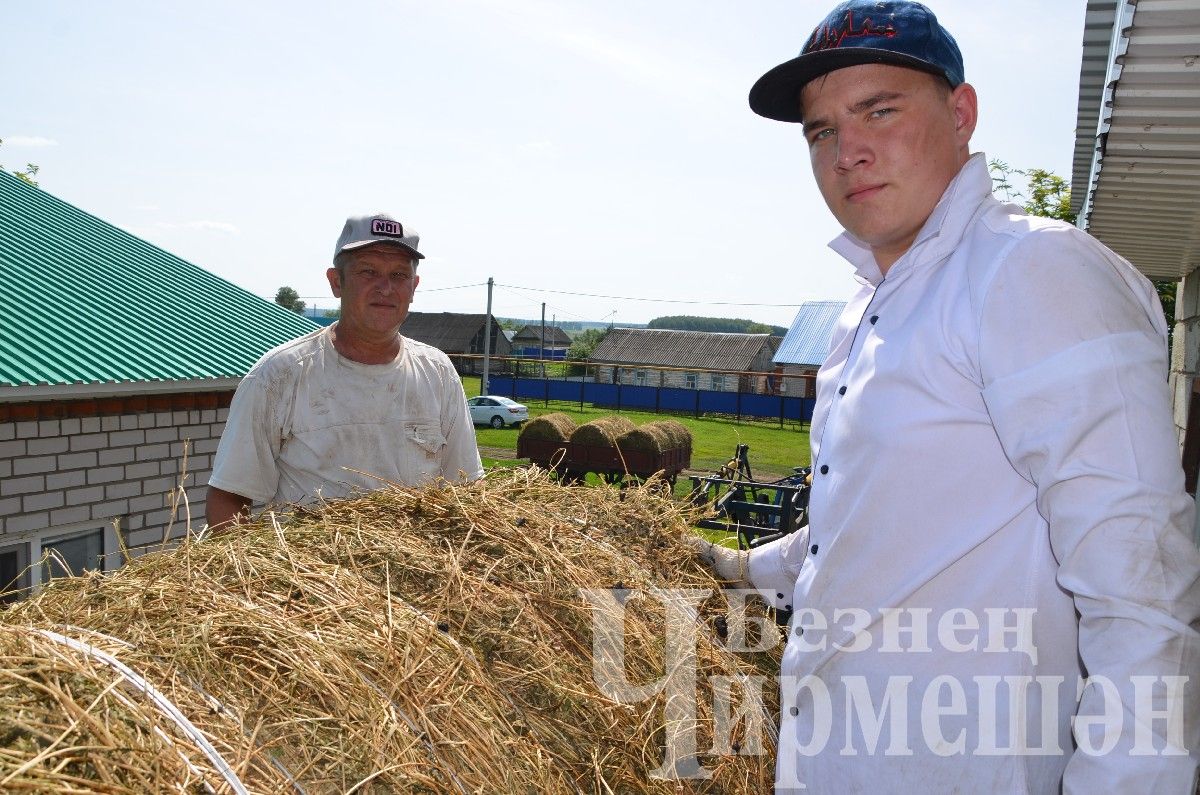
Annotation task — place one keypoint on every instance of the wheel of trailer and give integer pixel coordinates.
(497, 421)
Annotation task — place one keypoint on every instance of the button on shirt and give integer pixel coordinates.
(994, 437)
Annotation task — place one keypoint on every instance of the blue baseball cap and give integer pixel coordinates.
(857, 32)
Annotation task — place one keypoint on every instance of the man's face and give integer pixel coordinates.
(885, 141)
(376, 289)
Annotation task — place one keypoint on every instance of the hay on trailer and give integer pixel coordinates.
(602, 431)
(412, 640)
(679, 434)
(645, 438)
(555, 427)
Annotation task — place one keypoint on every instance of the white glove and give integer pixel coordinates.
(731, 565)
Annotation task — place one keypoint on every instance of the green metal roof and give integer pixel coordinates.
(83, 302)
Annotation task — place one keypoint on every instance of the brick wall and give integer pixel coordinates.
(63, 463)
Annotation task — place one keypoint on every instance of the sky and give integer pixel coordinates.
(595, 155)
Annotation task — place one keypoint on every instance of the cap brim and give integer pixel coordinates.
(776, 95)
(364, 243)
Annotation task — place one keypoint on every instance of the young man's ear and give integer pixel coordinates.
(335, 281)
(966, 112)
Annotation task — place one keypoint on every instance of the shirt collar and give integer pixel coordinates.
(943, 229)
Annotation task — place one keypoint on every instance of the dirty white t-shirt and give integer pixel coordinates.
(305, 416)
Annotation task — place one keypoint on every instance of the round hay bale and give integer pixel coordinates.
(602, 431)
(676, 432)
(435, 640)
(646, 438)
(556, 427)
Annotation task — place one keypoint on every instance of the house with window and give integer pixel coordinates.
(806, 345)
(686, 359)
(118, 361)
(528, 341)
(458, 335)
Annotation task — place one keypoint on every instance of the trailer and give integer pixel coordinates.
(572, 460)
(757, 512)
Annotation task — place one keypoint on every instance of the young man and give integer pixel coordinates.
(999, 592)
(352, 405)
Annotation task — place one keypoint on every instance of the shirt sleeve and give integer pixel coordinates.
(461, 455)
(250, 443)
(1073, 357)
(774, 567)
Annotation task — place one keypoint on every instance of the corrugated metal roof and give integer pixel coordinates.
(84, 302)
(1144, 199)
(452, 332)
(532, 333)
(807, 341)
(702, 350)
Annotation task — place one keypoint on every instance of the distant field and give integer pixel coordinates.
(773, 451)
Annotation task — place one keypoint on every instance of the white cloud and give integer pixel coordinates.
(206, 226)
(152, 208)
(28, 141)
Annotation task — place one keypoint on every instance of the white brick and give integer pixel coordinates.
(27, 430)
(80, 513)
(13, 449)
(159, 519)
(162, 435)
(118, 490)
(222, 414)
(89, 425)
(10, 506)
(145, 421)
(105, 474)
(134, 522)
(168, 467)
(89, 441)
(148, 469)
(157, 485)
(195, 432)
(50, 446)
(28, 521)
(107, 510)
(153, 452)
(66, 480)
(151, 502)
(164, 419)
(118, 455)
(179, 449)
(8, 431)
(49, 428)
(126, 438)
(145, 540)
(70, 427)
(5, 468)
(33, 466)
(22, 485)
(179, 418)
(77, 461)
(40, 502)
(208, 415)
(129, 422)
(207, 445)
(200, 477)
(194, 416)
(81, 496)
(110, 423)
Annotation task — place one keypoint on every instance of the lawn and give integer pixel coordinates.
(774, 451)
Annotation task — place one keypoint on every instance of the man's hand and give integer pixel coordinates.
(731, 565)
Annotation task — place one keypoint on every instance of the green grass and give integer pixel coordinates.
(773, 451)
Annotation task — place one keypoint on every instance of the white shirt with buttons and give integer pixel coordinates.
(997, 513)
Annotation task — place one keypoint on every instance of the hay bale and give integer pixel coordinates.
(646, 438)
(556, 427)
(602, 431)
(412, 640)
(679, 434)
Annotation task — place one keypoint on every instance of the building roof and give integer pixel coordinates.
(90, 309)
(451, 332)
(532, 333)
(702, 350)
(1136, 174)
(807, 341)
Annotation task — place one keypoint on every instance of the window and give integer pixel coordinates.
(640, 377)
(689, 380)
(718, 382)
(73, 555)
(14, 574)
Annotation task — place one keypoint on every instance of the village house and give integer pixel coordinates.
(806, 345)
(687, 359)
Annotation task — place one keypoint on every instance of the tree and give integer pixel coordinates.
(1049, 196)
(728, 325)
(289, 299)
(583, 345)
(28, 174)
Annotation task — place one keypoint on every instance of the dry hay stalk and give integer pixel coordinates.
(646, 438)
(602, 431)
(555, 427)
(677, 432)
(412, 640)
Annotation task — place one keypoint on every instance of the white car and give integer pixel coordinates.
(496, 411)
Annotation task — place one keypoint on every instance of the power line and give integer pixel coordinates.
(648, 300)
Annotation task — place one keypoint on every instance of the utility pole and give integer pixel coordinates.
(542, 350)
(487, 341)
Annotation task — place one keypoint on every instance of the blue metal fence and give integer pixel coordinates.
(658, 399)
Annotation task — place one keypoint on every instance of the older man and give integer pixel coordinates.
(998, 593)
(352, 405)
